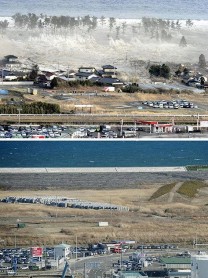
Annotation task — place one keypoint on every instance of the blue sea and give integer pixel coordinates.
(102, 153)
(132, 9)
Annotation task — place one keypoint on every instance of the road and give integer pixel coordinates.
(102, 118)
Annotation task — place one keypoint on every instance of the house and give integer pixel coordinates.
(176, 262)
(62, 251)
(186, 273)
(49, 75)
(155, 127)
(83, 76)
(4, 73)
(87, 70)
(12, 63)
(108, 71)
(11, 58)
(109, 81)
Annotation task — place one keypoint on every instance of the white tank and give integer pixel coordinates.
(199, 265)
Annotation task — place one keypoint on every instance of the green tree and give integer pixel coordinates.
(160, 71)
(54, 82)
(165, 71)
(34, 72)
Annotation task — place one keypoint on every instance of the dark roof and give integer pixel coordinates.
(109, 80)
(10, 57)
(95, 79)
(108, 67)
(87, 68)
(84, 74)
(156, 273)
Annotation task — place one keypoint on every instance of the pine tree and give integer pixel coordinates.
(183, 42)
(202, 61)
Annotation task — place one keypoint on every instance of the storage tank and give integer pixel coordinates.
(199, 265)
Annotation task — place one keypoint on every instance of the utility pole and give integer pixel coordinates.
(121, 132)
(19, 109)
(76, 248)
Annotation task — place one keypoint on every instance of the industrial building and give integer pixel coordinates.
(199, 265)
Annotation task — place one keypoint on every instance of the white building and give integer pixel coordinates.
(62, 251)
(199, 265)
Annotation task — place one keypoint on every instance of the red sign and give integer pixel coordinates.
(37, 251)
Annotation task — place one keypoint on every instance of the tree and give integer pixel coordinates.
(54, 82)
(189, 23)
(124, 25)
(102, 20)
(183, 42)
(202, 61)
(117, 32)
(160, 71)
(165, 71)
(112, 22)
(34, 72)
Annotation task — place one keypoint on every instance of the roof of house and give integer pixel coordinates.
(108, 67)
(86, 67)
(176, 260)
(95, 79)
(63, 245)
(10, 57)
(109, 80)
(84, 74)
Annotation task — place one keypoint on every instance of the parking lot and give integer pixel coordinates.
(172, 104)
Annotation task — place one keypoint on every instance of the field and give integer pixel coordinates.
(113, 102)
(167, 216)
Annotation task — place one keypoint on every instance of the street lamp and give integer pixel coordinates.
(19, 109)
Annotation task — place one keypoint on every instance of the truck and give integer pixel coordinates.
(129, 133)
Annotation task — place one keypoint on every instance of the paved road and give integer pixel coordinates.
(94, 180)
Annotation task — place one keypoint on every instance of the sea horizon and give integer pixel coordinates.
(134, 9)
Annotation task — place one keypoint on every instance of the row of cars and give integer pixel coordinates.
(174, 104)
(155, 246)
(14, 258)
(32, 131)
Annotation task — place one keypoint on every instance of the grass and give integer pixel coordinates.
(197, 168)
(190, 188)
(50, 225)
(162, 191)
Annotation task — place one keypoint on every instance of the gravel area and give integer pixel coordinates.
(93, 180)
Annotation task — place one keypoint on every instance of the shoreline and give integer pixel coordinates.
(49, 170)
(140, 139)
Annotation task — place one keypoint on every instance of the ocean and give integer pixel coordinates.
(132, 9)
(102, 153)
